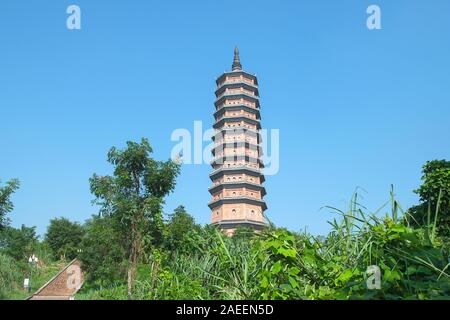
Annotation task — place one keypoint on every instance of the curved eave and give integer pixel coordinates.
(222, 77)
(220, 160)
(219, 124)
(238, 184)
(236, 96)
(235, 85)
(237, 130)
(233, 224)
(237, 107)
(232, 200)
(237, 144)
(236, 170)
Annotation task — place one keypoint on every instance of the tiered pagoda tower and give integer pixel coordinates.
(237, 191)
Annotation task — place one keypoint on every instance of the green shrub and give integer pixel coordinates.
(18, 243)
(278, 264)
(10, 275)
(102, 256)
(64, 238)
(412, 262)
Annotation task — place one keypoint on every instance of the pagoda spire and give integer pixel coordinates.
(236, 62)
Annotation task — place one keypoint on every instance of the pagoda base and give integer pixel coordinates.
(229, 226)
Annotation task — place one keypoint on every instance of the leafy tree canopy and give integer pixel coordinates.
(181, 232)
(436, 178)
(64, 237)
(435, 196)
(102, 255)
(6, 205)
(18, 243)
(134, 196)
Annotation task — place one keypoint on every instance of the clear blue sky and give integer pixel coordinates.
(354, 107)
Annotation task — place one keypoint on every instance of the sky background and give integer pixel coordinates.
(355, 108)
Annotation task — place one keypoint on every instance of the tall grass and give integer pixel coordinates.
(278, 264)
(411, 258)
(9, 275)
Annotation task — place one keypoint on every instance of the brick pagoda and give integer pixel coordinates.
(237, 190)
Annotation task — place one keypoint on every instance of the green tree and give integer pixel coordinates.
(134, 196)
(182, 231)
(6, 205)
(64, 237)
(435, 197)
(103, 258)
(436, 178)
(18, 243)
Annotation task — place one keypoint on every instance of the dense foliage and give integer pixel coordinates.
(9, 275)
(181, 232)
(18, 243)
(6, 204)
(103, 256)
(435, 199)
(64, 238)
(130, 251)
(134, 196)
(278, 264)
(436, 180)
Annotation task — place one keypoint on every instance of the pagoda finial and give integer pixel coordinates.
(236, 62)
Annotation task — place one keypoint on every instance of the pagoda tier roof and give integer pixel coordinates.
(236, 107)
(236, 157)
(238, 199)
(237, 170)
(237, 144)
(238, 184)
(233, 224)
(239, 82)
(223, 76)
(219, 124)
(236, 84)
(235, 96)
(237, 130)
